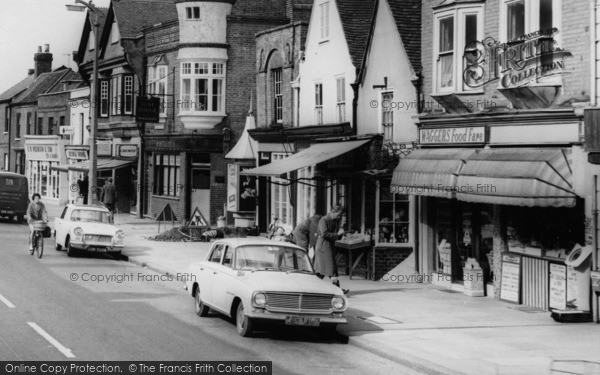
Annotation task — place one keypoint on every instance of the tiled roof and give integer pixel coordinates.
(356, 18)
(134, 15)
(407, 14)
(42, 83)
(18, 88)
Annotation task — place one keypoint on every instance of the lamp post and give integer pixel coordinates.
(94, 106)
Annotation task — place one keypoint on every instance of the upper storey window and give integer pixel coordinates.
(202, 93)
(520, 17)
(192, 13)
(324, 19)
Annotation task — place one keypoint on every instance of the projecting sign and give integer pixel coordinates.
(66, 130)
(76, 154)
(127, 151)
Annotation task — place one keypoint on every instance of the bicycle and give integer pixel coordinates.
(37, 244)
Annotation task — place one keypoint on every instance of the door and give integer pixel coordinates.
(200, 194)
(222, 282)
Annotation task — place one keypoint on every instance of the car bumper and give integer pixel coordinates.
(280, 317)
(100, 247)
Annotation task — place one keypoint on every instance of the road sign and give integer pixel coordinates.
(66, 130)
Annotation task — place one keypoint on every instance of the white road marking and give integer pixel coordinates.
(67, 352)
(6, 302)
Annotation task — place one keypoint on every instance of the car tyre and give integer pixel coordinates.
(201, 309)
(70, 250)
(328, 330)
(243, 324)
(57, 246)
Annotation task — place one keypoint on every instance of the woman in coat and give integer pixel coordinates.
(328, 232)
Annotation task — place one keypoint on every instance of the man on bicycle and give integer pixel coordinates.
(36, 211)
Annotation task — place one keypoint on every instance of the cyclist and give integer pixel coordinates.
(36, 211)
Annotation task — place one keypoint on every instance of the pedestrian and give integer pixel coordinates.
(36, 211)
(83, 188)
(109, 196)
(305, 234)
(328, 232)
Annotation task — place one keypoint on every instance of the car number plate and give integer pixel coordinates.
(302, 321)
(97, 249)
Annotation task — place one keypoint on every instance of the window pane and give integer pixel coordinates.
(470, 29)
(447, 34)
(186, 93)
(515, 18)
(217, 90)
(446, 68)
(546, 21)
(201, 94)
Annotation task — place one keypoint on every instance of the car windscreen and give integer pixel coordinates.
(90, 216)
(272, 258)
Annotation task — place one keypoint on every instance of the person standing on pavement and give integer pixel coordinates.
(109, 197)
(305, 234)
(36, 211)
(328, 232)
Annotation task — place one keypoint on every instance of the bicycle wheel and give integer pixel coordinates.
(33, 243)
(40, 246)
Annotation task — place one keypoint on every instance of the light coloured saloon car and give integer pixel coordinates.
(87, 228)
(256, 280)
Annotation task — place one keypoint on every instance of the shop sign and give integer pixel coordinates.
(66, 130)
(148, 109)
(558, 286)
(474, 134)
(510, 285)
(185, 144)
(104, 148)
(516, 63)
(77, 154)
(233, 175)
(42, 152)
(127, 151)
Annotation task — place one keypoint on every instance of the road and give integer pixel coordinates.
(58, 308)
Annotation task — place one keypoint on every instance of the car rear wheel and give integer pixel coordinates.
(57, 246)
(199, 306)
(243, 324)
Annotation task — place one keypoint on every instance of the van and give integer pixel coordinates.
(14, 196)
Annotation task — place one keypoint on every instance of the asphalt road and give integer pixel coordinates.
(97, 308)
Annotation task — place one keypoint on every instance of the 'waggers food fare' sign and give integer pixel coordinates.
(519, 62)
(475, 134)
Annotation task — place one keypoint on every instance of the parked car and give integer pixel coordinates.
(87, 228)
(260, 280)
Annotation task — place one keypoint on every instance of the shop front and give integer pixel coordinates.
(495, 193)
(42, 153)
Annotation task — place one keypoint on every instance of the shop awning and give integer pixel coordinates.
(311, 156)
(103, 165)
(518, 177)
(430, 172)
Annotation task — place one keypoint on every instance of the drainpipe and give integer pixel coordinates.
(594, 54)
(354, 107)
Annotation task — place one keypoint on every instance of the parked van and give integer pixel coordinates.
(14, 195)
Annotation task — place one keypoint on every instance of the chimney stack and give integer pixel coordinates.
(43, 60)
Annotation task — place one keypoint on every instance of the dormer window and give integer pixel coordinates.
(192, 13)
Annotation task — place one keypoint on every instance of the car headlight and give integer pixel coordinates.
(260, 300)
(78, 231)
(120, 234)
(338, 302)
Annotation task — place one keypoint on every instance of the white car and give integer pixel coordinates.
(87, 228)
(259, 280)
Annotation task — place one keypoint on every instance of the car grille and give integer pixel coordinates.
(298, 302)
(97, 238)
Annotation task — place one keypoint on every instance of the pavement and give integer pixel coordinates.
(418, 325)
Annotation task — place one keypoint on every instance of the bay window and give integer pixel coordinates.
(202, 93)
(455, 33)
(520, 17)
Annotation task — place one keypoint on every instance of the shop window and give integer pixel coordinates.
(393, 216)
(341, 98)
(318, 103)
(167, 180)
(306, 194)
(157, 85)
(281, 207)
(455, 33)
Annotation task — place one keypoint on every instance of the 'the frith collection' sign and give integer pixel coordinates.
(474, 134)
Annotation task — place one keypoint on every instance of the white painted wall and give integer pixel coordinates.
(325, 60)
(81, 105)
(387, 58)
(210, 28)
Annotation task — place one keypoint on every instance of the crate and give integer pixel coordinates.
(39, 226)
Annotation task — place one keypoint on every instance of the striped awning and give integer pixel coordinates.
(84, 166)
(518, 177)
(430, 172)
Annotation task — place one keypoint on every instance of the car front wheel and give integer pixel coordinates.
(243, 324)
(199, 306)
(70, 250)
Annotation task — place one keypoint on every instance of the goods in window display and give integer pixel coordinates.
(444, 250)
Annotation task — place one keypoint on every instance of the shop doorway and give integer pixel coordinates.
(200, 194)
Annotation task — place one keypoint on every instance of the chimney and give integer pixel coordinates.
(43, 61)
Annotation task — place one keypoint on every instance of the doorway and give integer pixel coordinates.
(200, 194)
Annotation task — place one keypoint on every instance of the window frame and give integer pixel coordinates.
(166, 174)
(278, 95)
(324, 20)
(458, 14)
(531, 18)
(104, 94)
(192, 13)
(410, 217)
(158, 82)
(18, 126)
(280, 195)
(389, 111)
(319, 103)
(195, 71)
(340, 83)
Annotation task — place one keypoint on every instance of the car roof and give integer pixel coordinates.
(244, 241)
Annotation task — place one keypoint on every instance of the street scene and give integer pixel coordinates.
(300, 186)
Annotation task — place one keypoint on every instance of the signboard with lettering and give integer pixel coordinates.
(147, 109)
(233, 175)
(104, 148)
(127, 151)
(475, 134)
(77, 154)
(558, 286)
(510, 286)
(42, 152)
(206, 143)
(66, 130)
